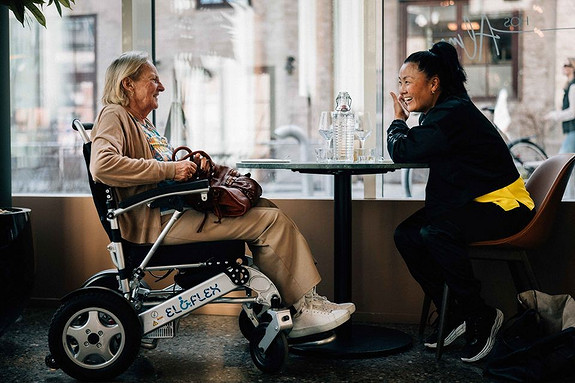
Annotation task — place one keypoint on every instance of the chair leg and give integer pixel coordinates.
(424, 315)
(442, 321)
(529, 271)
(519, 268)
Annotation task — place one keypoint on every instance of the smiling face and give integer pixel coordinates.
(143, 92)
(416, 91)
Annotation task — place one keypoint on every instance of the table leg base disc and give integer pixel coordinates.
(365, 341)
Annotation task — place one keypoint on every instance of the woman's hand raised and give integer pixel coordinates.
(399, 109)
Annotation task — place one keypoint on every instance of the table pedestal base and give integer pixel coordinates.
(365, 341)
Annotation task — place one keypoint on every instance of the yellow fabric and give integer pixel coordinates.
(509, 197)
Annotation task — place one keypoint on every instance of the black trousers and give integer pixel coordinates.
(436, 250)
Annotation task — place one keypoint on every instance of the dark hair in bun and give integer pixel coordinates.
(442, 61)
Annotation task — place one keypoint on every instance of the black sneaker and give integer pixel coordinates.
(480, 335)
(454, 330)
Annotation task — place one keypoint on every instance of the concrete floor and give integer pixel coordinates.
(211, 349)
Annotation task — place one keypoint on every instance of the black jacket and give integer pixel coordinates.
(467, 156)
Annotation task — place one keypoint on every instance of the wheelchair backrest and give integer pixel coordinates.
(101, 193)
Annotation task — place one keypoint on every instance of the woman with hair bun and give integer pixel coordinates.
(474, 192)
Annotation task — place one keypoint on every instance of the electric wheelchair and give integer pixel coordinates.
(97, 331)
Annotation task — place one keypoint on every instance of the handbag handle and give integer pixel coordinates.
(190, 154)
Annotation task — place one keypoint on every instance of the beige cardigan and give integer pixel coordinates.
(122, 158)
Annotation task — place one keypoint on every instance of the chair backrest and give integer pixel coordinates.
(546, 186)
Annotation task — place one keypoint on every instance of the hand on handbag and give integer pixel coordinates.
(231, 194)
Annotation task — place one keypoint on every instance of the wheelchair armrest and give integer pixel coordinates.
(164, 191)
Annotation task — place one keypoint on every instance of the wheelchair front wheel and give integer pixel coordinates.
(273, 359)
(95, 335)
(246, 326)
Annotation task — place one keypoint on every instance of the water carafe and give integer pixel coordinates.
(343, 121)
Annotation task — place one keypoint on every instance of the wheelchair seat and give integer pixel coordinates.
(215, 255)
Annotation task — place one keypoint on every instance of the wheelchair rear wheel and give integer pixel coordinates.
(95, 335)
(273, 359)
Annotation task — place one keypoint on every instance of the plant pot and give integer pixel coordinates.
(16, 263)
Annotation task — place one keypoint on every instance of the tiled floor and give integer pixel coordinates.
(212, 349)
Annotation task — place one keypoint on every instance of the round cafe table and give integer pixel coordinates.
(352, 340)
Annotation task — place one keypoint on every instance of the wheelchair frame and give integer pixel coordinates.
(212, 290)
(84, 354)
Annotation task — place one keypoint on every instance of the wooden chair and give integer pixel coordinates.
(546, 186)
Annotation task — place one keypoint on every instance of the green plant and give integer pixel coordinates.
(18, 8)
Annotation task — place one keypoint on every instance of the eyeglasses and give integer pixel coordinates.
(567, 66)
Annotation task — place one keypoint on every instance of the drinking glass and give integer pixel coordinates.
(322, 154)
(325, 129)
(362, 127)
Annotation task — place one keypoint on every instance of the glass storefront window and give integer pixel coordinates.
(56, 76)
(241, 83)
(250, 78)
(512, 52)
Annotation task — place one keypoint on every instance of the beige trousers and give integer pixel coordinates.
(279, 249)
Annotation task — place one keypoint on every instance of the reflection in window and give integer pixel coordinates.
(488, 59)
(512, 52)
(54, 79)
(251, 79)
(235, 88)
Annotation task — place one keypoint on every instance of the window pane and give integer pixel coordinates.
(428, 24)
(56, 76)
(512, 51)
(471, 32)
(253, 77)
(251, 80)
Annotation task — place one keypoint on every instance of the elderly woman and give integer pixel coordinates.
(129, 154)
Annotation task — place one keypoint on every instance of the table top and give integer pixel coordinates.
(383, 166)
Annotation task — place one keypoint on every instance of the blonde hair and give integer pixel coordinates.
(129, 64)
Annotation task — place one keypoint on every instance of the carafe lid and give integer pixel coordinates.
(343, 102)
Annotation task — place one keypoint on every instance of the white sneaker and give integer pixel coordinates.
(320, 300)
(312, 318)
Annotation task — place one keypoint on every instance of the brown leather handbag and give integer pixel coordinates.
(231, 194)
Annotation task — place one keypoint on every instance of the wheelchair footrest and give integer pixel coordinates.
(169, 330)
(313, 340)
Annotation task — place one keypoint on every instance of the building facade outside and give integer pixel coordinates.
(252, 77)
